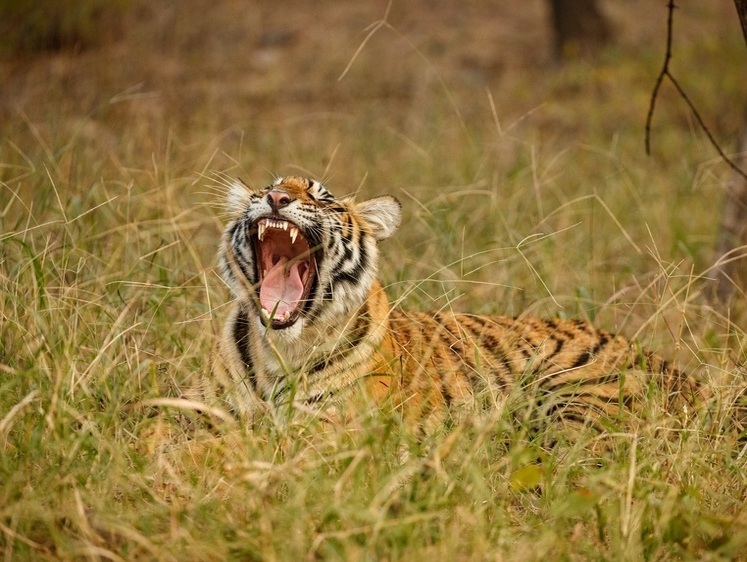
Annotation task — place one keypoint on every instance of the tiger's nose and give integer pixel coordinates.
(278, 199)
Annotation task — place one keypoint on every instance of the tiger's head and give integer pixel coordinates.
(298, 256)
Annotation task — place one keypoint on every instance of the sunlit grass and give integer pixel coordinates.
(514, 204)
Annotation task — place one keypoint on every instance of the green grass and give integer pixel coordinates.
(109, 222)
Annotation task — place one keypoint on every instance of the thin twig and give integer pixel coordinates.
(665, 73)
(708, 133)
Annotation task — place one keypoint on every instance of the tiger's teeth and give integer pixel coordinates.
(293, 234)
(265, 314)
(264, 224)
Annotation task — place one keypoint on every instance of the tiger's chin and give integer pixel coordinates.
(287, 271)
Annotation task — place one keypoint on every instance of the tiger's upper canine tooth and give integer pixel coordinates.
(261, 230)
(293, 234)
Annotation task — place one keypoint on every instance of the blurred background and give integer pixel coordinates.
(260, 69)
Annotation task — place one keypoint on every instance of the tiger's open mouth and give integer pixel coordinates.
(286, 269)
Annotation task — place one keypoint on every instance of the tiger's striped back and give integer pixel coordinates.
(574, 371)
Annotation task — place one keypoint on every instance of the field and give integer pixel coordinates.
(526, 190)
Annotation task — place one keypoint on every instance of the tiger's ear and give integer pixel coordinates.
(238, 197)
(382, 215)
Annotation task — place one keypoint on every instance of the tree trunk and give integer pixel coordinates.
(731, 275)
(742, 13)
(579, 27)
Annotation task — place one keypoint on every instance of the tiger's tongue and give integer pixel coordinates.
(282, 288)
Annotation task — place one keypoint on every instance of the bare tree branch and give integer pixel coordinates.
(665, 73)
(659, 79)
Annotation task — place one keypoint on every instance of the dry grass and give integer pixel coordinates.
(526, 190)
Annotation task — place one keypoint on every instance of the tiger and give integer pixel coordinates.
(311, 328)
